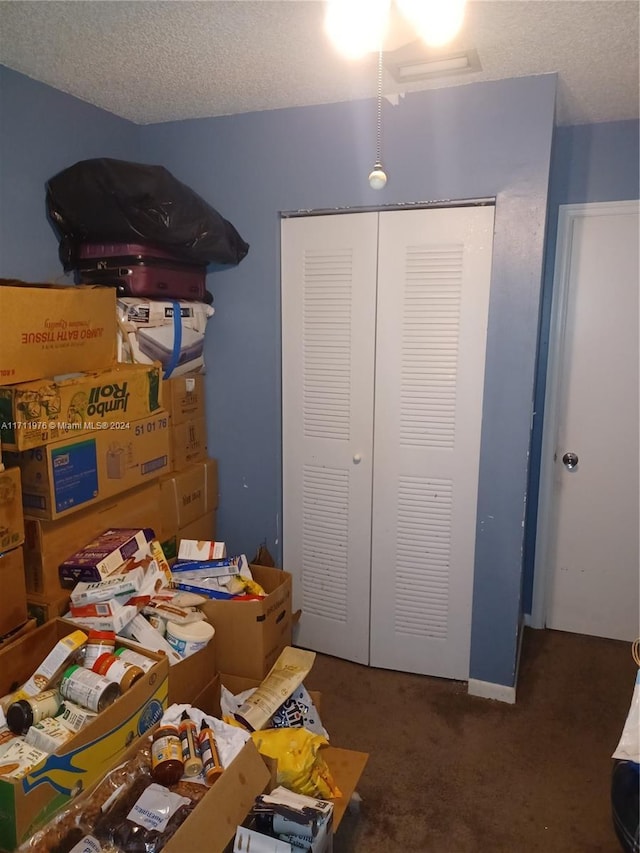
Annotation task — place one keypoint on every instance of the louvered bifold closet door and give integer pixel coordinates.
(328, 330)
(433, 293)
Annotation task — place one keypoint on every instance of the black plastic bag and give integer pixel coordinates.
(106, 200)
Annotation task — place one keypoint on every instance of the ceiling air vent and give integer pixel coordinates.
(405, 70)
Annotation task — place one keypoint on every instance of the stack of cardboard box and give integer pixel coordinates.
(145, 470)
(13, 601)
(109, 445)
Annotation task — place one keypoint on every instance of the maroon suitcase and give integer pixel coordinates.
(142, 270)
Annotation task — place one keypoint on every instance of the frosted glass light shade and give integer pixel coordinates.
(437, 22)
(357, 27)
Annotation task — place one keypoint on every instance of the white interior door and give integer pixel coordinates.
(328, 339)
(434, 273)
(590, 524)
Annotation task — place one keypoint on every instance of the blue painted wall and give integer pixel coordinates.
(590, 163)
(478, 140)
(472, 141)
(42, 131)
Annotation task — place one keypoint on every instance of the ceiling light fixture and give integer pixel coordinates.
(358, 27)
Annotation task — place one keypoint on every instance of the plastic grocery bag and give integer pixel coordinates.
(301, 767)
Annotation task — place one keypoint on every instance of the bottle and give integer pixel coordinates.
(142, 661)
(120, 671)
(167, 765)
(24, 713)
(190, 749)
(98, 642)
(88, 689)
(211, 764)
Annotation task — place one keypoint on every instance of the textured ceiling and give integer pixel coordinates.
(175, 59)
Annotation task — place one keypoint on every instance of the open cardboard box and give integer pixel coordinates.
(226, 804)
(346, 765)
(250, 635)
(229, 801)
(27, 803)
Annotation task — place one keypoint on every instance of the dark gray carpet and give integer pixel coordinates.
(452, 773)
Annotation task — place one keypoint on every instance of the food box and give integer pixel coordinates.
(29, 802)
(104, 555)
(64, 476)
(43, 410)
(48, 329)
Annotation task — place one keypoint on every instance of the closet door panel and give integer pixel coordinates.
(434, 269)
(328, 332)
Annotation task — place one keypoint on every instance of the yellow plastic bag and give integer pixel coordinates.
(301, 768)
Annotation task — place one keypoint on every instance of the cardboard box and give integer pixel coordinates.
(44, 609)
(44, 410)
(11, 513)
(188, 443)
(189, 677)
(28, 803)
(64, 476)
(224, 806)
(189, 494)
(212, 824)
(203, 528)
(251, 634)
(18, 632)
(208, 699)
(13, 601)
(47, 329)
(346, 765)
(49, 543)
(183, 397)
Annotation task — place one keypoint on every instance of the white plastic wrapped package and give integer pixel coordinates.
(628, 748)
(150, 330)
(298, 711)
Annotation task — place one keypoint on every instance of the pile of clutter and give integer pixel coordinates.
(141, 803)
(121, 584)
(79, 679)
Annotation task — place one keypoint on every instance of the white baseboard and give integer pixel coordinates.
(489, 690)
(528, 621)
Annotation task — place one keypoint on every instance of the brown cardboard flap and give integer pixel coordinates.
(213, 822)
(346, 766)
